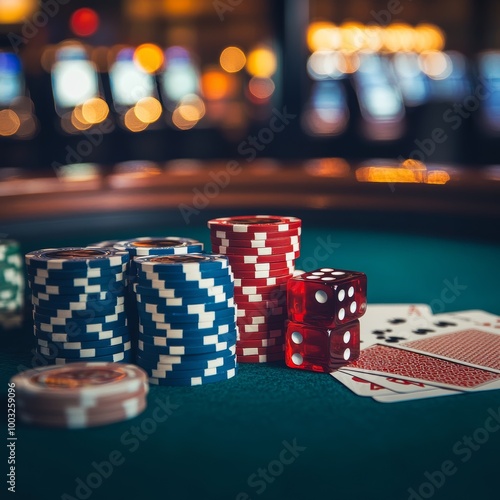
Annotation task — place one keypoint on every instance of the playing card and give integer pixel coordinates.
(477, 317)
(399, 398)
(384, 360)
(392, 323)
(360, 386)
(471, 346)
(394, 384)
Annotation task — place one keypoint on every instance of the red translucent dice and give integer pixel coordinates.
(327, 297)
(321, 349)
(323, 310)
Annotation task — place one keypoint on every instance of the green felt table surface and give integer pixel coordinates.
(218, 437)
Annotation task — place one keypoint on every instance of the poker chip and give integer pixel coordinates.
(180, 333)
(280, 280)
(252, 351)
(121, 357)
(168, 245)
(149, 350)
(186, 285)
(88, 313)
(196, 308)
(260, 358)
(217, 362)
(261, 250)
(83, 345)
(76, 258)
(268, 334)
(278, 250)
(94, 272)
(78, 297)
(266, 266)
(179, 360)
(186, 310)
(75, 335)
(80, 395)
(189, 341)
(193, 372)
(228, 234)
(79, 321)
(55, 351)
(251, 243)
(198, 262)
(11, 285)
(196, 380)
(218, 316)
(188, 294)
(255, 223)
(194, 299)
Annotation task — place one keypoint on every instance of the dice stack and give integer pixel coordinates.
(324, 307)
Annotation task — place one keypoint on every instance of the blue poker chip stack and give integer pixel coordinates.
(187, 320)
(78, 297)
(143, 247)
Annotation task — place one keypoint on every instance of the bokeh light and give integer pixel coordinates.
(95, 110)
(16, 11)
(149, 57)
(323, 35)
(262, 88)
(9, 122)
(84, 22)
(148, 110)
(191, 108)
(216, 84)
(133, 123)
(261, 62)
(436, 65)
(232, 59)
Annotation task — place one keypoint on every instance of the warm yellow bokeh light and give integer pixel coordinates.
(262, 88)
(9, 122)
(385, 174)
(149, 57)
(191, 108)
(232, 59)
(148, 110)
(180, 122)
(16, 11)
(78, 121)
(95, 110)
(322, 35)
(437, 177)
(132, 122)
(429, 37)
(261, 62)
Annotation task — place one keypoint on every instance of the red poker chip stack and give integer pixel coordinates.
(262, 250)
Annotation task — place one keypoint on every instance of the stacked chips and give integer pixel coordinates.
(187, 330)
(11, 285)
(78, 297)
(142, 247)
(262, 250)
(169, 245)
(80, 395)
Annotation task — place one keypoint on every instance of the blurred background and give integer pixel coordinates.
(321, 99)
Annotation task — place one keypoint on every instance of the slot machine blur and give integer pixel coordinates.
(126, 81)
